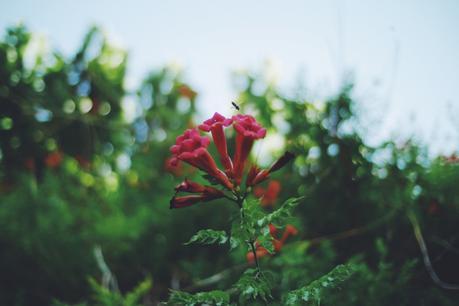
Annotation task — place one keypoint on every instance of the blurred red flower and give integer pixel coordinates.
(290, 230)
(53, 159)
(269, 195)
(187, 92)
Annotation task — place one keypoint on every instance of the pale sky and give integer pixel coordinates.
(404, 55)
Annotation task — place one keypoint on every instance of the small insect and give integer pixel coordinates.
(235, 105)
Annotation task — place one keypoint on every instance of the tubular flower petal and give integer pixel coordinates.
(185, 201)
(189, 186)
(248, 130)
(261, 252)
(269, 195)
(215, 126)
(251, 175)
(282, 161)
(290, 230)
(256, 177)
(173, 166)
(261, 175)
(193, 187)
(278, 244)
(191, 148)
(189, 200)
(272, 229)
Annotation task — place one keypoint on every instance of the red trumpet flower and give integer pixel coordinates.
(257, 176)
(191, 148)
(205, 193)
(193, 187)
(261, 252)
(269, 195)
(248, 130)
(215, 126)
(173, 166)
(54, 159)
(290, 230)
(185, 201)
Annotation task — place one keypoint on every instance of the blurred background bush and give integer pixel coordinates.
(84, 190)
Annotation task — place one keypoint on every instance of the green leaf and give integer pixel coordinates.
(239, 235)
(216, 297)
(234, 243)
(209, 236)
(313, 292)
(103, 296)
(252, 285)
(253, 212)
(278, 216)
(266, 240)
(135, 296)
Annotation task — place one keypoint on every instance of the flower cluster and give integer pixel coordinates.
(192, 148)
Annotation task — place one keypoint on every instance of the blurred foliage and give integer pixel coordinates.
(102, 296)
(83, 163)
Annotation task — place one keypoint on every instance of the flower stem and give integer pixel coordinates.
(257, 264)
(251, 242)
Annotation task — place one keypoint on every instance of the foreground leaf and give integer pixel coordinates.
(279, 216)
(209, 236)
(312, 293)
(216, 297)
(252, 285)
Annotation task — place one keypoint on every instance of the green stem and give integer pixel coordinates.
(257, 264)
(251, 242)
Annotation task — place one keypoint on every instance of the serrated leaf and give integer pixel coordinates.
(266, 241)
(313, 291)
(253, 212)
(253, 285)
(234, 243)
(133, 297)
(215, 297)
(209, 236)
(280, 215)
(238, 235)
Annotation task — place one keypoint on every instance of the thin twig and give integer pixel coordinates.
(108, 278)
(254, 251)
(425, 255)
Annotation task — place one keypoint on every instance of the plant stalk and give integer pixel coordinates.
(239, 202)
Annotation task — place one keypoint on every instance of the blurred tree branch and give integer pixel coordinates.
(425, 255)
